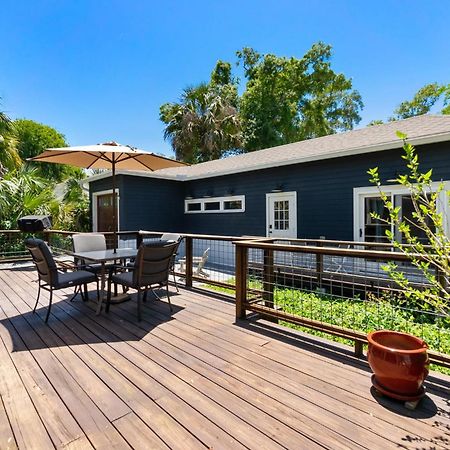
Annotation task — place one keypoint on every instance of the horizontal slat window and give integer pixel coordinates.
(231, 204)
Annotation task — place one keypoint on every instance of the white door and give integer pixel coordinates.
(281, 212)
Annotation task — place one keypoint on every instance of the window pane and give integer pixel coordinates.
(212, 206)
(375, 229)
(232, 204)
(407, 210)
(194, 206)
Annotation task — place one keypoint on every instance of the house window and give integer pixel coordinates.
(212, 206)
(367, 201)
(194, 206)
(231, 204)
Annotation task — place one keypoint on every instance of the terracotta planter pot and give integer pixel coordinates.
(399, 362)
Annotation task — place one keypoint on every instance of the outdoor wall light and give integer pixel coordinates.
(278, 188)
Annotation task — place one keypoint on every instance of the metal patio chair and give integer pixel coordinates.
(173, 237)
(151, 268)
(50, 278)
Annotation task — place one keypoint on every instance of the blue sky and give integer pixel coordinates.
(98, 70)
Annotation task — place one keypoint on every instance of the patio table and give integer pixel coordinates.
(102, 257)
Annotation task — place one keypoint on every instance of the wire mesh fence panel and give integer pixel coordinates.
(346, 295)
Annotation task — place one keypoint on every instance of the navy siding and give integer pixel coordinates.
(324, 192)
(324, 195)
(147, 203)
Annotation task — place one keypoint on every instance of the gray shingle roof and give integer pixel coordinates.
(420, 130)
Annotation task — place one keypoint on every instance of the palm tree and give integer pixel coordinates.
(22, 192)
(204, 126)
(9, 156)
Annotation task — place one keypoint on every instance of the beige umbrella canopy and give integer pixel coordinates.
(109, 155)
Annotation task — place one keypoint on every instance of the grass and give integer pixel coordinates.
(356, 314)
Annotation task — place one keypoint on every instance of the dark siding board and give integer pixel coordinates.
(147, 203)
(324, 195)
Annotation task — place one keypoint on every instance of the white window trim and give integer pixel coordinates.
(94, 208)
(293, 213)
(221, 200)
(360, 193)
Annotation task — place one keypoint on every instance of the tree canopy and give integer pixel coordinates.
(205, 124)
(284, 100)
(422, 102)
(32, 139)
(290, 99)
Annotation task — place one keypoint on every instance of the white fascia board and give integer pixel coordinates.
(397, 143)
(134, 173)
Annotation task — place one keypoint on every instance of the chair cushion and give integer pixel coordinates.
(74, 278)
(124, 278)
(97, 268)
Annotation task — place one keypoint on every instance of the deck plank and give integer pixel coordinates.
(189, 380)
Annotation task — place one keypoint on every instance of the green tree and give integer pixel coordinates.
(422, 102)
(205, 124)
(33, 138)
(9, 156)
(290, 99)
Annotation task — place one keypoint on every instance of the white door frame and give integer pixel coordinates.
(272, 196)
(94, 207)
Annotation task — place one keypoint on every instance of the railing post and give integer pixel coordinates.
(359, 349)
(241, 280)
(319, 266)
(189, 254)
(139, 239)
(268, 278)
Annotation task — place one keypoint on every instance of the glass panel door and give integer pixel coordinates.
(105, 212)
(281, 215)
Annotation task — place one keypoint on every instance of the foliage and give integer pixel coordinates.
(433, 259)
(421, 103)
(9, 156)
(22, 192)
(285, 100)
(358, 315)
(33, 138)
(290, 99)
(204, 125)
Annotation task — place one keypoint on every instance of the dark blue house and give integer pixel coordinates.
(308, 189)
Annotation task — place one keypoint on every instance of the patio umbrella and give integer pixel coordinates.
(109, 155)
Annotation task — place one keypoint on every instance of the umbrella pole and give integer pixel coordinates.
(114, 204)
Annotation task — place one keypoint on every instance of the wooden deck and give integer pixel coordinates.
(189, 380)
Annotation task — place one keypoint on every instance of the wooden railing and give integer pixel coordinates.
(270, 272)
(234, 261)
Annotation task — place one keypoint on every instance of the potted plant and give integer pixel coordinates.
(399, 362)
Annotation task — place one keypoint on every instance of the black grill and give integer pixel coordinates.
(34, 224)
